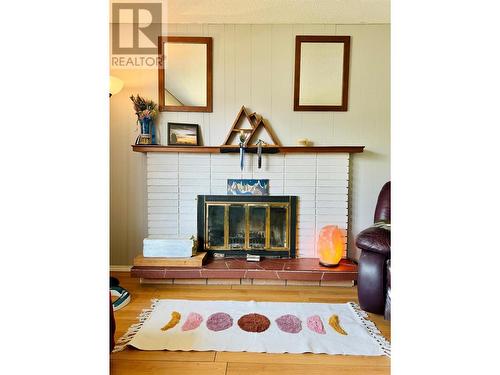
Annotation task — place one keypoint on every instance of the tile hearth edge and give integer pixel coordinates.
(303, 269)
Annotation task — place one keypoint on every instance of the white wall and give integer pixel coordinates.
(253, 66)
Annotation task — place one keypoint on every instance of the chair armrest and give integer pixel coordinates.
(374, 239)
(387, 312)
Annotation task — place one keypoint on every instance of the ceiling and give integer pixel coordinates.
(278, 11)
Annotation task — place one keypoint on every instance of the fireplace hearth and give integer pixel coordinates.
(240, 225)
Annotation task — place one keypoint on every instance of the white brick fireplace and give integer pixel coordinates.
(320, 180)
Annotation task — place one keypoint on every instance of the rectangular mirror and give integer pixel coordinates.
(185, 74)
(321, 73)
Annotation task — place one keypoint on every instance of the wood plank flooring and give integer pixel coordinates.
(132, 361)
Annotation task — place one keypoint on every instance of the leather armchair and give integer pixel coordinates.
(374, 262)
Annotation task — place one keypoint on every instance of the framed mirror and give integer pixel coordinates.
(321, 73)
(185, 74)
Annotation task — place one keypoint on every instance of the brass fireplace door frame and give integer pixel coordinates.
(247, 206)
(289, 204)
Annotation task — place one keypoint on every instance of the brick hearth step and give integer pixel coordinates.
(300, 271)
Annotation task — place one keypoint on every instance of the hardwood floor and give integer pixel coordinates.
(132, 361)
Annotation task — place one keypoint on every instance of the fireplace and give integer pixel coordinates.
(240, 225)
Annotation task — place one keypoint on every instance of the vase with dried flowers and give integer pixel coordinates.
(146, 111)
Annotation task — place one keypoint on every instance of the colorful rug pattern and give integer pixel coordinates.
(272, 327)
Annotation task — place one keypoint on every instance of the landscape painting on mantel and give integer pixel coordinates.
(320, 181)
(247, 187)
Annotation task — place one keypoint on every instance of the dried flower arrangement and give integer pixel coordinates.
(144, 109)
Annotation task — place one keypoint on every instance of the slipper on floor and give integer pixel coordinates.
(123, 297)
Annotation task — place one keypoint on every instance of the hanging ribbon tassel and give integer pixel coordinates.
(242, 150)
(259, 153)
(242, 154)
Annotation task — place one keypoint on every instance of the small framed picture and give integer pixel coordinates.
(247, 187)
(183, 134)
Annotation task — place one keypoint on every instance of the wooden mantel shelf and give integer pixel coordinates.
(216, 149)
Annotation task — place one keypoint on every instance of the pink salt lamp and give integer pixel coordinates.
(331, 245)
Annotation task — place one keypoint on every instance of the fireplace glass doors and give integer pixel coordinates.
(240, 225)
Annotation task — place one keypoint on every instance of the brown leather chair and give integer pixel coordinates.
(374, 262)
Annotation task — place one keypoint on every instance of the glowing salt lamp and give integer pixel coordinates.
(331, 245)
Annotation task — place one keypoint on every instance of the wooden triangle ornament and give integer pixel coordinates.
(256, 122)
(265, 127)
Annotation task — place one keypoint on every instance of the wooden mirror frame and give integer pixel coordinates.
(299, 39)
(161, 74)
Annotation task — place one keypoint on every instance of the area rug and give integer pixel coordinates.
(271, 327)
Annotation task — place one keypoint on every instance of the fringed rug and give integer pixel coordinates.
(271, 327)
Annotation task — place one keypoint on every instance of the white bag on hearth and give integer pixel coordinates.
(168, 248)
